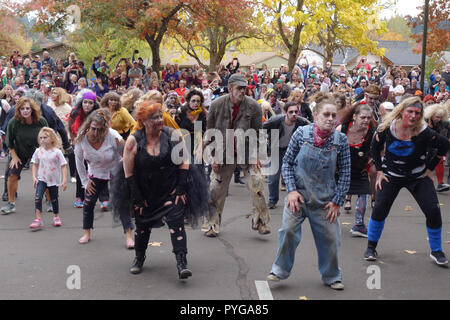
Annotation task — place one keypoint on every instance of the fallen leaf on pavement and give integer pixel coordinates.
(302, 298)
(408, 208)
(154, 244)
(447, 242)
(411, 251)
(346, 223)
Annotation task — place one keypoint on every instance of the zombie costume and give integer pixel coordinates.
(154, 185)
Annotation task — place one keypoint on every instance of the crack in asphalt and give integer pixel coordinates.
(243, 269)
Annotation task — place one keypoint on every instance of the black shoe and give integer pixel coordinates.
(439, 258)
(183, 271)
(442, 187)
(348, 205)
(138, 262)
(238, 180)
(5, 196)
(370, 254)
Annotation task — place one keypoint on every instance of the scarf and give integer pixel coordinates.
(196, 111)
(320, 136)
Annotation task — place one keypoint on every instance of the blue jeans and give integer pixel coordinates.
(327, 237)
(274, 180)
(53, 191)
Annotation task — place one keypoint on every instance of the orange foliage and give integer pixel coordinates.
(438, 38)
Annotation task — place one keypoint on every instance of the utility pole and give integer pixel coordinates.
(424, 46)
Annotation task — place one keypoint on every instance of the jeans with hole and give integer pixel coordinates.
(53, 191)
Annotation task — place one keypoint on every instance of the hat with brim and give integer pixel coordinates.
(238, 79)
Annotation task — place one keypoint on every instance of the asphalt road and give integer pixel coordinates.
(51, 264)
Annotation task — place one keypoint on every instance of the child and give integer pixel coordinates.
(48, 163)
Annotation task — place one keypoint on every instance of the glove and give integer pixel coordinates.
(182, 182)
(69, 150)
(135, 192)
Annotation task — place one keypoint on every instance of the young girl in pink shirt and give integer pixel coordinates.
(49, 165)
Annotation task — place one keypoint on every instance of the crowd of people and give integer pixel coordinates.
(368, 132)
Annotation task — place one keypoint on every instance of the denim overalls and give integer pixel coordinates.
(314, 171)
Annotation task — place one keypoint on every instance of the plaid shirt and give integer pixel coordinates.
(343, 164)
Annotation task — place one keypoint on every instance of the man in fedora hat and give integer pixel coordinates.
(235, 111)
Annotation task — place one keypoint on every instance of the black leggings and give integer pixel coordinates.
(176, 229)
(423, 192)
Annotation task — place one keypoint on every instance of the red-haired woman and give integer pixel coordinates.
(156, 183)
(21, 139)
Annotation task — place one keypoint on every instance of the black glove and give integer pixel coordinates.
(69, 150)
(135, 192)
(182, 182)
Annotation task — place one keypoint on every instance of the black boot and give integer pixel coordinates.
(138, 262)
(183, 271)
(237, 177)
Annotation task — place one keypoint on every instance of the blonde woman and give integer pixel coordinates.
(121, 120)
(266, 110)
(128, 99)
(436, 117)
(407, 141)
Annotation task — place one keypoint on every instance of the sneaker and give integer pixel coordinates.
(57, 221)
(36, 225)
(442, 187)
(78, 203)
(370, 254)
(337, 285)
(347, 205)
(5, 196)
(271, 205)
(359, 231)
(9, 208)
(49, 207)
(105, 206)
(272, 277)
(73, 180)
(439, 257)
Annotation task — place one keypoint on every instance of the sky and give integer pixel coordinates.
(403, 7)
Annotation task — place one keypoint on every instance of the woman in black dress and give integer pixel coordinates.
(157, 184)
(359, 127)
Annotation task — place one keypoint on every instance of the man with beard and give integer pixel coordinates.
(235, 111)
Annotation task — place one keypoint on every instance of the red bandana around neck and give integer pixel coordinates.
(320, 136)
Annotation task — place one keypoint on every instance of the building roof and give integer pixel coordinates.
(398, 52)
(245, 59)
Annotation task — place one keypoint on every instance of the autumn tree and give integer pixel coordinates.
(146, 20)
(438, 35)
(332, 24)
(209, 27)
(341, 25)
(11, 36)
